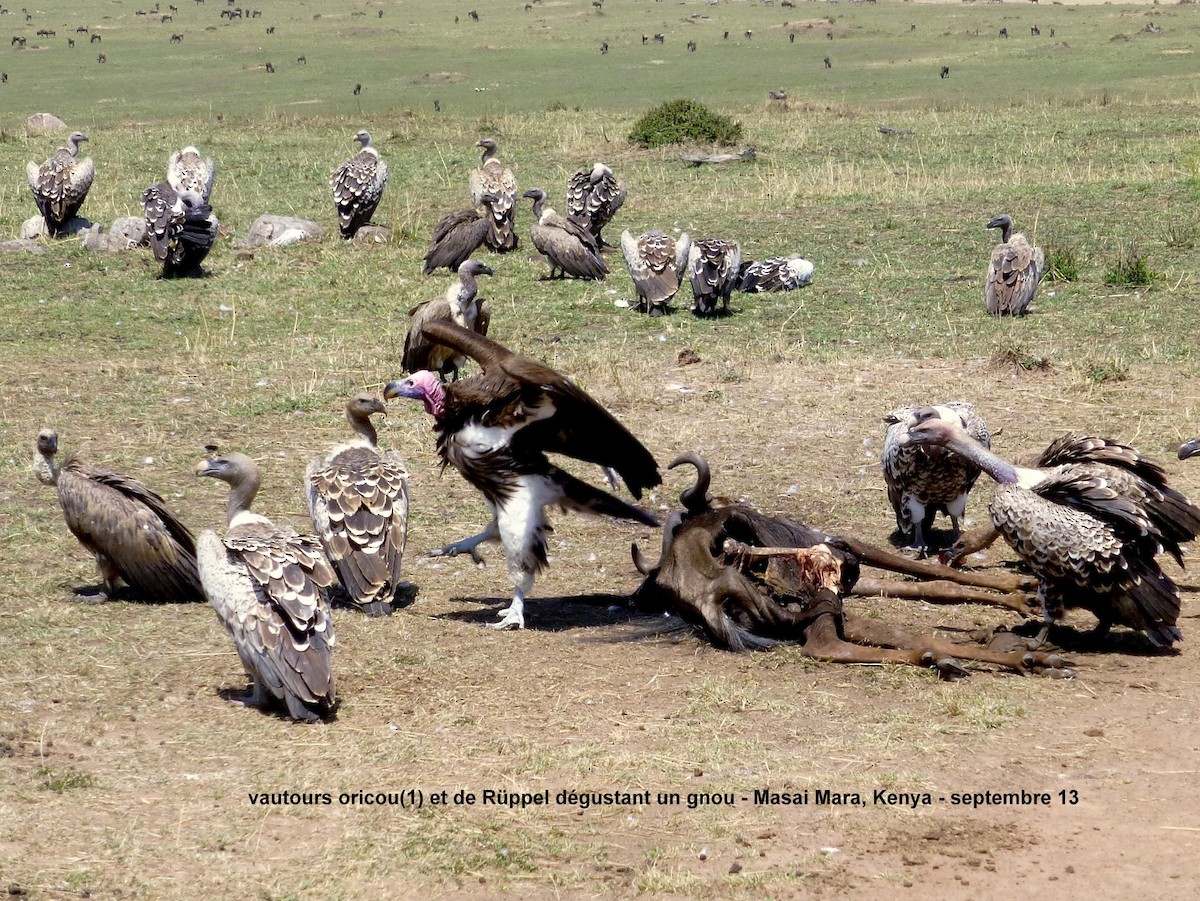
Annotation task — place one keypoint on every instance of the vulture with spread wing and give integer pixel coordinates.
(496, 429)
(775, 274)
(714, 266)
(460, 304)
(60, 185)
(267, 585)
(181, 228)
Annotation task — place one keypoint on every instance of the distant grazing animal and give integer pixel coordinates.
(45, 33)
(132, 533)
(713, 267)
(828, 63)
(593, 197)
(724, 37)
(749, 34)
(496, 429)
(270, 29)
(945, 72)
(462, 305)
(3, 78)
(473, 15)
(302, 60)
(82, 29)
(437, 105)
(457, 236)
(775, 274)
(167, 19)
(380, 14)
(645, 38)
(1034, 30)
(267, 585)
(357, 89)
(188, 171)
(656, 264)
(175, 39)
(829, 35)
(1003, 32)
(358, 500)
(791, 39)
(569, 247)
(101, 58)
(181, 227)
(923, 480)
(778, 95)
(493, 177)
(1014, 272)
(660, 38)
(1089, 521)
(691, 45)
(71, 42)
(95, 39)
(270, 68)
(358, 185)
(60, 185)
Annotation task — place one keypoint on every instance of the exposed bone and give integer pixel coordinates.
(943, 592)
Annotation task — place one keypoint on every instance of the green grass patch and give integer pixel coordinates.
(1130, 269)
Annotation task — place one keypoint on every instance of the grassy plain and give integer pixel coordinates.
(123, 767)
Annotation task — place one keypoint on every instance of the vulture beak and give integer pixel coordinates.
(206, 468)
(1189, 449)
(404, 388)
(531, 193)
(486, 270)
(378, 406)
(998, 222)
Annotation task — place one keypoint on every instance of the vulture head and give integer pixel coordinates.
(47, 442)
(539, 197)
(599, 171)
(928, 428)
(474, 267)
(239, 472)
(424, 386)
(1187, 449)
(489, 148)
(43, 463)
(73, 142)
(359, 410)
(1004, 223)
(363, 138)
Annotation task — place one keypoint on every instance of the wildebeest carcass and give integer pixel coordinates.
(749, 581)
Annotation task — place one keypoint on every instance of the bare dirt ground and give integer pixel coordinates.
(126, 770)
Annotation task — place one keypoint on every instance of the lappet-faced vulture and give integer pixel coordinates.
(493, 177)
(267, 584)
(657, 265)
(460, 304)
(60, 185)
(181, 228)
(358, 185)
(134, 536)
(569, 247)
(496, 429)
(1014, 271)
(358, 499)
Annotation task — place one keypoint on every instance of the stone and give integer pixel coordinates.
(21, 245)
(40, 123)
(35, 227)
(373, 234)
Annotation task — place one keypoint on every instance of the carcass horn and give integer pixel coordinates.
(697, 498)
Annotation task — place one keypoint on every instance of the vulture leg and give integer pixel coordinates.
(469, 545)
(513, 616)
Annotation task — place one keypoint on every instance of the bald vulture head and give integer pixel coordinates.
(240, 473)
(489, 148)
(44, 464)
(73, 142)
(539, 197)
(1004, 223)
(363, 137)
(474, 268)
(1189, 449)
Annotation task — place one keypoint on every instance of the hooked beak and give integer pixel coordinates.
(404, 388)
(485, 270)
(998, 222)
(206, 468)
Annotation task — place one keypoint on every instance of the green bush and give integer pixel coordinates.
(683, 120)
(1130, 269)
(1063, 263)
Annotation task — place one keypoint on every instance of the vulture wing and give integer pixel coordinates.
(484, 317)
(651, 262)
(357, 188)
(560, 417)
(1013, 277)
(419, 351)
(455, 238)
(160, 204)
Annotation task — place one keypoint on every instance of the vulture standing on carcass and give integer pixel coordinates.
(1014, 272)
(180, 226)
(267, 585)
(358, 186)
(460, 304)
(570, 248)
(457, 236)
(593, 198)
(1089, 526)
(657, 265)
(130, 529)
(358, 498)
(188, 171)
(775, 274)
(921, 480)
(493, 177)
(496, 429)
(60, 185)
(713, 268)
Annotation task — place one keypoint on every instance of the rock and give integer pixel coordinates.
(125, 233)
(279, 231)
(132, 229)
(40, 123)
(18, 245)
(373, 234)
(35, 227)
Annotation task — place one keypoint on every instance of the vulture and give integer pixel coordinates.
(134, 535)
(593, 198)
(775, 274)
(457, 236)
(60, 185)
(493, 177)
(358, 186)
(656, 265)
(1088, 522)
(181, 228)
(267, 585)
(188, 171)
(570, 247)
(1014, 272)
(460, 304)
(921, 480)
(358, 499)
(713, 267)
(496, 429)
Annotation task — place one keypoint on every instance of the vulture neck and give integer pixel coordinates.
(466, 294)
(241, 496)
(489, 154)
(45, 467)
(363, 426)
(1002, 471)
(435, 400)
(537, 207)
(1006, 232)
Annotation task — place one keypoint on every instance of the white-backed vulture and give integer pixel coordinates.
(1088, 522)
(493, 177)
(657, 265)
(188, 171)
(460, 304)
(775, 274)
(60, 185)
(569, 247)
(496, 429)
(593, 198)
(132, 533)
(1013, 273)
(267, 584)
(358, 499)
(921, 480)
(713, 268)
(181, 228)
(358, 185)
(457, 236)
